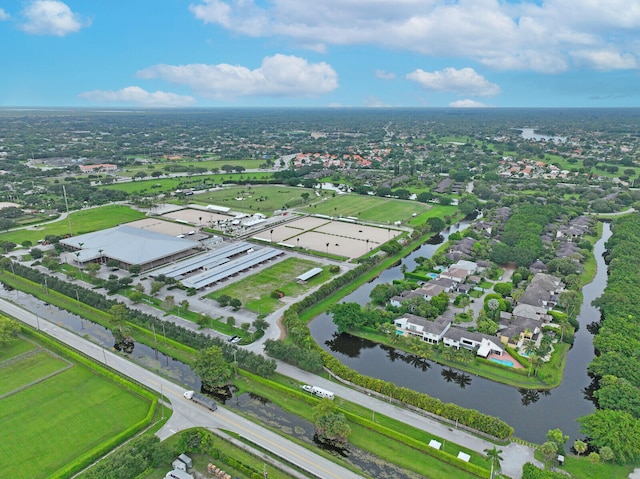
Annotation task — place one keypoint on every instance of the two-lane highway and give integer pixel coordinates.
(187, 414)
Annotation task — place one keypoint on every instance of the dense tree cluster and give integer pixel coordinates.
(521, 242)
(617, 366)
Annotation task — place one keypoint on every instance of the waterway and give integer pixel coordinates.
(530, 134)
(531, 413)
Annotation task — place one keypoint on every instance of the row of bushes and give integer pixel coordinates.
(420, 446)
(529, 471)
(468, 417)
(193, 339)
(441, 455)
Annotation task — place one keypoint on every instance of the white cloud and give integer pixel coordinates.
(279, 75)
(51, 17)
(544, 34)
(134, 95)
(467, 104)
(385, 75)
(465, 81)
(4, 15)
(605, 60)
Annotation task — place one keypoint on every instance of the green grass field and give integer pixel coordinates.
(368, 208)
(48, 425)
(256, 199)
(84, 221)
(254, 291)
(165, 185)
(28, 369)
(209, 164)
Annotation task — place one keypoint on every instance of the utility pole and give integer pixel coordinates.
(162, 400)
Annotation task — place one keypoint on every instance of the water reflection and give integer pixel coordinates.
(532, 414)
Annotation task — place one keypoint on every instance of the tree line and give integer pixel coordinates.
(616, 367)
(246, 359)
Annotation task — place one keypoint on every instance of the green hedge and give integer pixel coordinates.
(468, 417)
(420, 446)
(529, 471)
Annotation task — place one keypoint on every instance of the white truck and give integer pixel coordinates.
(201, 399)
(323, 393)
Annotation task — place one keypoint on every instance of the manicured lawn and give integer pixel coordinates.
(15, 348)
(209, 164)
(164, 185)
(581, 467)
(84, 221)
(255, 199)
(254, 292)
(436, 211)
(48, 425)
(369, 208)
(28, 369)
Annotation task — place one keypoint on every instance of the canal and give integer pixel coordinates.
(532, 413)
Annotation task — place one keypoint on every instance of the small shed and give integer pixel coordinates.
(179, 465)
(186, 459)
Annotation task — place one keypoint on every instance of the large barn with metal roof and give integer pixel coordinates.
(130, 246)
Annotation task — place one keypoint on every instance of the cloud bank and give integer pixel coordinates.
(278, 76)
(134, 95)
(550, 37)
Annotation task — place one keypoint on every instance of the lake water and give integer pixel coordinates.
(532, 413)
(530, 134)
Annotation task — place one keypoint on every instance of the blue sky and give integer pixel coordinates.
(349, 53)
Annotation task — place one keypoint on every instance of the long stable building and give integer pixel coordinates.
(130, 246)
(218, 265)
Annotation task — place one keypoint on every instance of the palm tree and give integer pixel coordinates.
(449, 353)
(495, 458)
(534, 363)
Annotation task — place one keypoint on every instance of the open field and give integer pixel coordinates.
(349, 240)
(254, 291)
(48, 425)
(84, 221)
(209, 164)
(255, 199)
(163, 185)
(368, 208)
(27, 369)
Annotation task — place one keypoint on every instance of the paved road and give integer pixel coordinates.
(515, 455)
(185, 413)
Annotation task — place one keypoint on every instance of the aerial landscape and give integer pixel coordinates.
(287, 271)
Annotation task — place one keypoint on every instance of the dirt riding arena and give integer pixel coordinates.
(345, 239)
(160, 226)
(192, 216)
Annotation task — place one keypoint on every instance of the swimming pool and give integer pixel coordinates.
(432, 275)
(504, 362)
